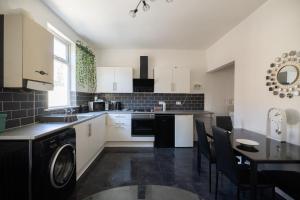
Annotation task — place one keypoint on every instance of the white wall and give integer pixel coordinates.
(267, 33)
(44, 16)
(211, 83)
(220, 90)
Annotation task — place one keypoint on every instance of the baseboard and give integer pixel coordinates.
(129, 144)
(128, 150)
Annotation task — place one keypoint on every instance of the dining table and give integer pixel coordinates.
(268, 151)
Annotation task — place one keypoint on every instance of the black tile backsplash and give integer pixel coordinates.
(149, 100)
(22, 106)
(27, 120)
(80, 98)
(18, 104)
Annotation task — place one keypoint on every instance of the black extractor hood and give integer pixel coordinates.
(143, 84)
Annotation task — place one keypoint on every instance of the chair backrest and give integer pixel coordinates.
(225, 159)
(202, 139)
(224, 122)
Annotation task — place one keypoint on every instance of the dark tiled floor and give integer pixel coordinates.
(148, 166)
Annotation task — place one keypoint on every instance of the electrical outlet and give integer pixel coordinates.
(178, 103)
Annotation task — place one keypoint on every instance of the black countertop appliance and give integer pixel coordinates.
(115, 105)
(96, 106)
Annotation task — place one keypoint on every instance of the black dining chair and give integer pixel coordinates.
(224, 122)
(287, 181)
(205, 148)
(226, 164)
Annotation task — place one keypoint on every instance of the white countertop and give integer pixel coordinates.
(38, 130)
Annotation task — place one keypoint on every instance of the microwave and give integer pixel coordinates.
(95, 106)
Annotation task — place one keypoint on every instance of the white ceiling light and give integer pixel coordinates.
(146, 7)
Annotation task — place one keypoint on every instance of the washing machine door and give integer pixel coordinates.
(62, 166)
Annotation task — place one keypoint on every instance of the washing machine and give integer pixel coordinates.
(54, 166)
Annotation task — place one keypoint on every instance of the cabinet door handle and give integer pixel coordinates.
(121, 124)
(172, 87)
(119, 116)
(90, 130)
(41, 72)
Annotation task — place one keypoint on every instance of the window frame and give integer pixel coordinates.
(68, 63)
(68, 49)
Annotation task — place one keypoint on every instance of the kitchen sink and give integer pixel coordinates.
(82, 115)
(58, 118)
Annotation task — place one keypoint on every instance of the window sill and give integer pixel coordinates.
(59, 108)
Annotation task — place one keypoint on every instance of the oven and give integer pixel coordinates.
(143, 125)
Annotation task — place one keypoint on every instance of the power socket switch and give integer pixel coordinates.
(178, 103)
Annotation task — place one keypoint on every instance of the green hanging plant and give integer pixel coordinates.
(85, 67)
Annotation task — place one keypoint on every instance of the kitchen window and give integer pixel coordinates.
(60, 96)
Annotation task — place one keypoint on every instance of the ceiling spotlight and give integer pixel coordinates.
(132, 13)
(146, 7)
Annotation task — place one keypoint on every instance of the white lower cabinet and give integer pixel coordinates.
(90, 138)
(118, 127)
(99, 132)
(184, 131)
(92, 135)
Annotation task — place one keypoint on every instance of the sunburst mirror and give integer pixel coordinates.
(283, 77)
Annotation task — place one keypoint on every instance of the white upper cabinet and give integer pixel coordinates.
(28, 51)
(172, 80)
(37, 52)
(105, 79)
(181, 80)
(163, 80)
(114, 79)
(124, 80)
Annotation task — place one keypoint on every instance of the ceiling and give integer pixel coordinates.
(182, 24)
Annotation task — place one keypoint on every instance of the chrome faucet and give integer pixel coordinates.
(69, 115)
(164, 105)
(69, 111)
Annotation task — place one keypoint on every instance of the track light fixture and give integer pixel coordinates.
(146, 7)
